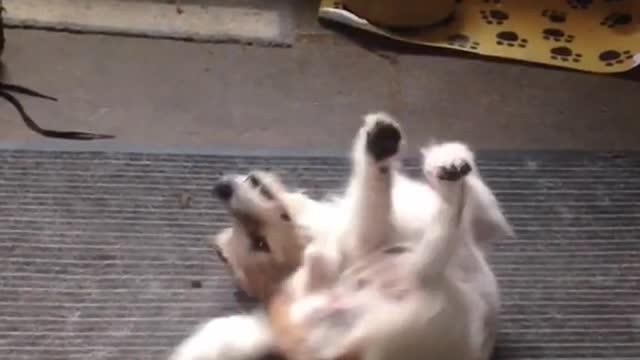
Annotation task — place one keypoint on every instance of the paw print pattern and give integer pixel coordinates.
(462, 41)
(616, 19)
(557, 35)
(580, 4)
(565, 54)
(510, 39)
(556, 17)
(613, 57)
(494, 16)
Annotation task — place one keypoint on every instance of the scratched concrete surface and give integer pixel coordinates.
(168, 93)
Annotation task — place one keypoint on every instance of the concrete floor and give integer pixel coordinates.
(164, 93)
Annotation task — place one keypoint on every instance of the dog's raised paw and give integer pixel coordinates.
(383, 136)
(448, 161)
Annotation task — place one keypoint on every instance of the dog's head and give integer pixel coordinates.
(264, 243)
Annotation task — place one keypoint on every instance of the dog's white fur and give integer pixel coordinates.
(449, 300)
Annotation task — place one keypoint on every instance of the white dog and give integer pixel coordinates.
(394, 269)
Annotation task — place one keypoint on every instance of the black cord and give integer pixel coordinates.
(31, 124)
(25, 91)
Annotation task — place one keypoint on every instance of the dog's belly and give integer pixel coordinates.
(327, 320)
(386, 272)
(414, 204)
(386, 276)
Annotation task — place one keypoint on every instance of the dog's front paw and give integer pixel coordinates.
(448, 162)
(383, 136)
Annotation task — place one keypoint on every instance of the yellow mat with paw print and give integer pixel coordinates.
(601, 36)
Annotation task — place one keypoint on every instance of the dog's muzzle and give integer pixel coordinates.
(223, 190)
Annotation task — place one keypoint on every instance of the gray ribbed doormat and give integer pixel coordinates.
(104, 254)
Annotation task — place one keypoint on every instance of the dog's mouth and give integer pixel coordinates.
(257, 204)
(259, 243)
(252, 226)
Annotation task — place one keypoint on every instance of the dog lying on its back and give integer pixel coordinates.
(394, 269)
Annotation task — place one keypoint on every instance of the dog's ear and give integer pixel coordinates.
(295, 203)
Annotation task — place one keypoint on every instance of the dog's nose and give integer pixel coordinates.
(223, 190)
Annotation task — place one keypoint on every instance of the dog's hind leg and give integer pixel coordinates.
(374, 155)
(484, 215)
(445, 167)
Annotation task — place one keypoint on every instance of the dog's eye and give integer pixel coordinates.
(284, 216)
(253, 180)
(398, 249)
(259, 243)
(266, 193)
(273, 355)
(361, 283)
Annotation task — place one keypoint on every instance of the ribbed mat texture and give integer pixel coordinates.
(104, 255)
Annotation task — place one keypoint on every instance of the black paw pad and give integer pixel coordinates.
(453, 172)
(383, 140)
